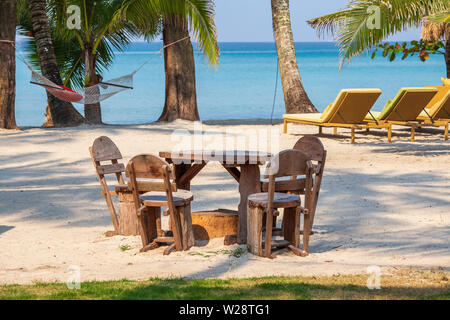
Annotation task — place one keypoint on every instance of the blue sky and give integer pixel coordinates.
(251, 20)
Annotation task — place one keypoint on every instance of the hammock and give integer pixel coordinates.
(89, 95)
(93, 94)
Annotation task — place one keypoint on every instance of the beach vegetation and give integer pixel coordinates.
(404, 284)
(355, 33)
(84, 53)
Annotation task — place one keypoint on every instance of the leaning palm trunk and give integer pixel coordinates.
(181, 97)
(295, 97)
(7, 64)
(62, 113)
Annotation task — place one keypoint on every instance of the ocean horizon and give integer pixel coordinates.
(242, 86)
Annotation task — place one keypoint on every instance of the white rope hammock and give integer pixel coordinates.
(92, 94)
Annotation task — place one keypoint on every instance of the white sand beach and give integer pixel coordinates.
(380, 204)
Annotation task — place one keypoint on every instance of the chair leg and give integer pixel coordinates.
(268, 242)
(413, 133)
(306, 233)
(285, 126)
(446, 132)
(151, 246)
(142, 230)
(335, 130)
(390, 133)
(320, 130)
(176, 229)
(353, 136)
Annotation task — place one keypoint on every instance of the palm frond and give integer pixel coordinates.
(353, 32)
(443, 17)
(147, 16)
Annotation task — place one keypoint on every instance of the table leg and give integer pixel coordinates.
(180, 170)
(249, 183)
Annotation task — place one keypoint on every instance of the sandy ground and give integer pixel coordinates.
(381, 204)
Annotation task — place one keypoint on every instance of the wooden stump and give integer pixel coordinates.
(214, 224)
(128, 220)
(254, 229)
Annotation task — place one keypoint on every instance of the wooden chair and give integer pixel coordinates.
(104, 150)
(287, 163)
(164, 194)
(313, 147)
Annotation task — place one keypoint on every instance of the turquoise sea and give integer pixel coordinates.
(242, 86)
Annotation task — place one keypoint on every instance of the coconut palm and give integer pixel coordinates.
(7, 63)
(356, 34)
(62, 113)
(438, 30)
(85, 53)
(179, 65)
(295, 97)
(439, 17)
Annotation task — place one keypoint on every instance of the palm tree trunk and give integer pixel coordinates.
(181, 96)
(295, 98)
(7, 64)
(447, 57)
(92, 112)
(63, 113)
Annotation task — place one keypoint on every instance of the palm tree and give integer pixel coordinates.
(115, 23)
(91, 47)
(7, 64)
(434, 31)
(441, 17)
(181, 99)
(295, 97)
(356, 35)
(63, 113)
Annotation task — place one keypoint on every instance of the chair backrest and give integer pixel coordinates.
(289, 163)
(411, 104)
(312, 146)
(147, 166)
(352, 105)
(103, 149)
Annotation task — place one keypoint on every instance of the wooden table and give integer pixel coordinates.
(243, 166)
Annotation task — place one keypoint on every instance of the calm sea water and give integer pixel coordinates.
(242, 86)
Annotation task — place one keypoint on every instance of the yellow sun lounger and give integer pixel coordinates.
(347, 111)
(437, 115)
(404, 108)
(442, 92)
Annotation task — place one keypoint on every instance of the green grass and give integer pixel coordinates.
(404, 284)
(125, 247)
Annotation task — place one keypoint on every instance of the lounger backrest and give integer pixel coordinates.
(441, 109)
(352, 105)
(442, 92)
(410, 104)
